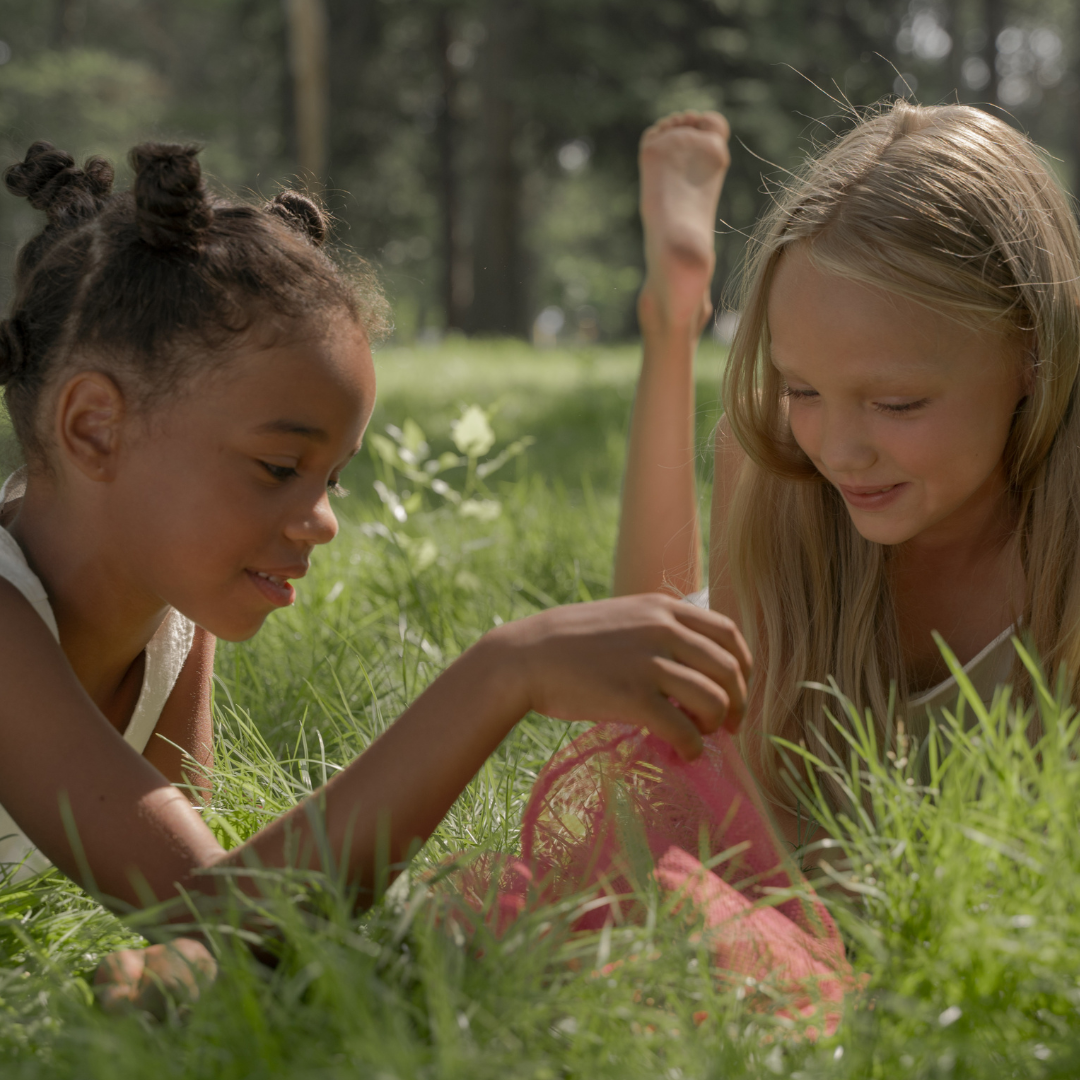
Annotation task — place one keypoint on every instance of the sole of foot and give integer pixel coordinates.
(683, 160)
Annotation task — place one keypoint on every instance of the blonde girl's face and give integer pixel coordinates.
(905, 411)
(219, 502)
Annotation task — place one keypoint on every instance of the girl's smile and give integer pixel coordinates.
(275, 587)
(872, 498)
(904, 410)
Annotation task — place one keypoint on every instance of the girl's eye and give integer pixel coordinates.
(282, 473)
(900, 410)
(279, 472)
(798, 395)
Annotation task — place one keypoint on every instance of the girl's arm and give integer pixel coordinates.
(185, 730)
(107, 818)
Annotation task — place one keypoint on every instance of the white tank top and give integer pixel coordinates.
(165, 655)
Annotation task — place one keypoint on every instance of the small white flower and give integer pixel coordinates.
(950, 1015)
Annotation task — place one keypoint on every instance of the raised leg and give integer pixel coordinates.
(683, 162)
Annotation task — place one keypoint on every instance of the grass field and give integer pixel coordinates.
(961, 907)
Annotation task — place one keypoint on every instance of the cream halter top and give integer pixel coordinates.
(165, 655)
(987, 671)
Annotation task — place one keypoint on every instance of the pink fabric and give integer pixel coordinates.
(617, 804)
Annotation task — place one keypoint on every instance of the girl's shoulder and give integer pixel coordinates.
(15, 569)
(166, 651)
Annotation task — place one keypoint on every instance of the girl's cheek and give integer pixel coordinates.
(805, 433)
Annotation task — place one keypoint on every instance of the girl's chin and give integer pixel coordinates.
(231, 627)
(887, 533)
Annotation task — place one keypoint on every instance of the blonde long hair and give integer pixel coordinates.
(956, 210)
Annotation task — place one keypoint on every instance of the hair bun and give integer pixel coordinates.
(49, 180)
(171, 206)
(12, 350)
(302, 213)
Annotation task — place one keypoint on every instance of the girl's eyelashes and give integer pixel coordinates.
(900, 410)
(282, 473)
(881, 406)
(279, 472)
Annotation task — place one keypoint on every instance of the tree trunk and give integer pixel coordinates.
(950, 20)
(498, 297)
(307, 29)
(456, 285)
(68, 19)
(994, 21)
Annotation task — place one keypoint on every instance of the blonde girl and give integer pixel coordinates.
(901, 447)
(188, 376)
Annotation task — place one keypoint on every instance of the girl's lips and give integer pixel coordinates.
(276, 589)
(868, 498)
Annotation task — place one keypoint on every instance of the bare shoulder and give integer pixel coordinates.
(28, 651)
(729, 459)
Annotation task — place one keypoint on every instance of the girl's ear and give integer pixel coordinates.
(90, 412)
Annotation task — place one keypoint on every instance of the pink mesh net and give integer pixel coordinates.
(617, 805)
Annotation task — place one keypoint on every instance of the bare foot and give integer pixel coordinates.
(147, 979)
(683, 160)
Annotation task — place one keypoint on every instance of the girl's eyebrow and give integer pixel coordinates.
(292, 427)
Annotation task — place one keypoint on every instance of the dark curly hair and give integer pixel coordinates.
(155, 284)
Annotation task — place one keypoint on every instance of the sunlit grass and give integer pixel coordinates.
(961, 874)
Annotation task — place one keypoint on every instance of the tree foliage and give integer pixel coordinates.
(483, 151)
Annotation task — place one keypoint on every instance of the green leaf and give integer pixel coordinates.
(384, 448)
(472, 433)
(481, 509)
(414, 441)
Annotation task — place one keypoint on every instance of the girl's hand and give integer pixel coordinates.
(146, 979)
(650, 660)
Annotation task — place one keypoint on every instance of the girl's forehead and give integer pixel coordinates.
(321, 383)
(830, 322)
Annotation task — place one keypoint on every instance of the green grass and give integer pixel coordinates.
(961, 908)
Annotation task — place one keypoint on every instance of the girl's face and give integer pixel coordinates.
(224, 494)
(905, 411)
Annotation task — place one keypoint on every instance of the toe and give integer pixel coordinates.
(714, 121)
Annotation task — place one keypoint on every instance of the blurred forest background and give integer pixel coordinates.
(483, 152)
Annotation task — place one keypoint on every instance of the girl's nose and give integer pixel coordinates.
(314, 524)
(845, 447)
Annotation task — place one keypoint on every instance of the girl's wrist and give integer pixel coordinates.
(500, 670)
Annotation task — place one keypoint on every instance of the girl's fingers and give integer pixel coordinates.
(121, 968)
(669, 723)
(703, 656)
(144, 978)
(117, 979)
(706, 704)
(181, 965)
(718, 628)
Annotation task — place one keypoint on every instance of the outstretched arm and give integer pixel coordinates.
(107, 818)
(683, 161)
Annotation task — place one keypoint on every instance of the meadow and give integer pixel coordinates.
(489, 490)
